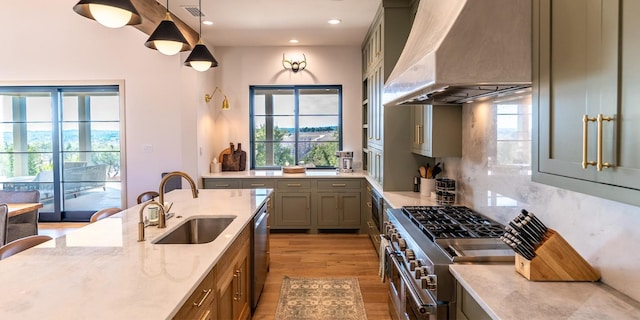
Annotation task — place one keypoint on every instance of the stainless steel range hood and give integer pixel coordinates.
(462, 50)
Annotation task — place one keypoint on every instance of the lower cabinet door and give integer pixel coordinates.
(293, 209)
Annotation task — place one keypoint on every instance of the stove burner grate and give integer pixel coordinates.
(452, 222)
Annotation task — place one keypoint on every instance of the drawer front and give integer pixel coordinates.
(221, 184)
(336, 184)
(201, 302)
(293, 184)
(258, 183)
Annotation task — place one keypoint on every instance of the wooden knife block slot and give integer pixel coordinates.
(556, 260)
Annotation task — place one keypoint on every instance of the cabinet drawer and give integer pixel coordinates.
(335, 184)
(258, 183)
(292, 184)
(221, 184)
(202, 300)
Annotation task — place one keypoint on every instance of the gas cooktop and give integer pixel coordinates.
(441, 222)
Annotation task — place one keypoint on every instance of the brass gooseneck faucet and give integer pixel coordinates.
(162, 220)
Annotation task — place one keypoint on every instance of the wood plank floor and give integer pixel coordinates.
(306, 255)
(324, 255)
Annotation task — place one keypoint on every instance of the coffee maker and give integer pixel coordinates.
(345, 161)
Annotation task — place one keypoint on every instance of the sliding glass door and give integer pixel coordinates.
(64, 142)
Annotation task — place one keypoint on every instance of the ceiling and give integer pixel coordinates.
(275, 22)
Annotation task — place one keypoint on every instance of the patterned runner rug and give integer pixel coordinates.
(320, 298)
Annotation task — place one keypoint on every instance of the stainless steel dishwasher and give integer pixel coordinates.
(260, 252)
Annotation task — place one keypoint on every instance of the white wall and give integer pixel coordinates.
(46, 42)
(245, 66)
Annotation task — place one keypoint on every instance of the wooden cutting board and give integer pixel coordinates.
(221, 156)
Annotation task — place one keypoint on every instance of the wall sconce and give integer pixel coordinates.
(225, 102)
(294, 66)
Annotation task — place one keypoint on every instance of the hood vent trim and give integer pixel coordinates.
(463, 50)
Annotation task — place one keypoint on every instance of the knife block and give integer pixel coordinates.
(556, 260)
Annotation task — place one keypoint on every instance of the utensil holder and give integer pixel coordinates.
(556, 260)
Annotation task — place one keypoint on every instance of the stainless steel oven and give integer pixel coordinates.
(405, 300)
(422, 243)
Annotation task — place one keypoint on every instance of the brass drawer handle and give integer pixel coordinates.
(206, 294)
(205, 316)
(222, 185)
(585, 139)
(601, 164)
(293, 185)
(339, 185)
(257, 184)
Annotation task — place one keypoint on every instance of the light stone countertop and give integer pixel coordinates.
(396, 199)
(505, 294)
(101, 271)
(312, 173)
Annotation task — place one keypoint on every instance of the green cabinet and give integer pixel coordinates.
(388, 162)
(306, 203)
(586, 70)
(338, 204)
(221, 183)
(437, 130)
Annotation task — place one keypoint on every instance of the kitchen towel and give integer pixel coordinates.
(382, 270)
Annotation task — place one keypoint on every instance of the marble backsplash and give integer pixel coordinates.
(494, 177)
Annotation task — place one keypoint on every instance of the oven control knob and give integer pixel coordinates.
(430, 282)
(413, 264)
(395, 237)
(409, 255)
(419, 272)
(402, 244)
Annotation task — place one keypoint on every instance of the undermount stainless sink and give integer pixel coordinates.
(197, 230)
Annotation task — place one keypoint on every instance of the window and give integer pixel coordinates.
(295, 125)
(513, 134)
(64, 142)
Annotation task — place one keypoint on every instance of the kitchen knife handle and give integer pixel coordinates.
(601, 164)
(585, 140)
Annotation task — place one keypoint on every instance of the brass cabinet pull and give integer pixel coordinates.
(339, 185)
(236, 279)
(257, 184)
(204, 297)
(222, 185)
(600, 164)
(293, 185)
(585, 139)
(205, 316)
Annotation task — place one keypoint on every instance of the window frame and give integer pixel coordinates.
(57, 94)
(296, 91)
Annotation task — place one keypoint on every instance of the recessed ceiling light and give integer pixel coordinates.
(207, 22)
(334, 21)
(293, 41)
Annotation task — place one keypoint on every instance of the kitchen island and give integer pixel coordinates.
(102, 271)
(502, 293)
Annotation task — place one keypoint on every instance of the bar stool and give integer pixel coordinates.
(99, 215)
(21, 244)
(146, 196)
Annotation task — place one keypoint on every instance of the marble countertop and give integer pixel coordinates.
(396, 199)
(505, 294)
(312, 173)
(101, 271)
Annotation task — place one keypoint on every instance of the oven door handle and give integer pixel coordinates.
(424, 307)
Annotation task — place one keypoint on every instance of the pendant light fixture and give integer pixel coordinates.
(200, 58)
(109, 13)
(167, 38)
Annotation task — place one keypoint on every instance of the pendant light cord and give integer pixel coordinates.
(199, 18)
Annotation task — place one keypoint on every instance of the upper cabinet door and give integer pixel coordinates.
(585, 66)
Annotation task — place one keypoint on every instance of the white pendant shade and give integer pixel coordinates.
(201, 65)
(109, 16)
(168, 47)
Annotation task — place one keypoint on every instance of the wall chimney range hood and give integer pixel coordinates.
(461, 51)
